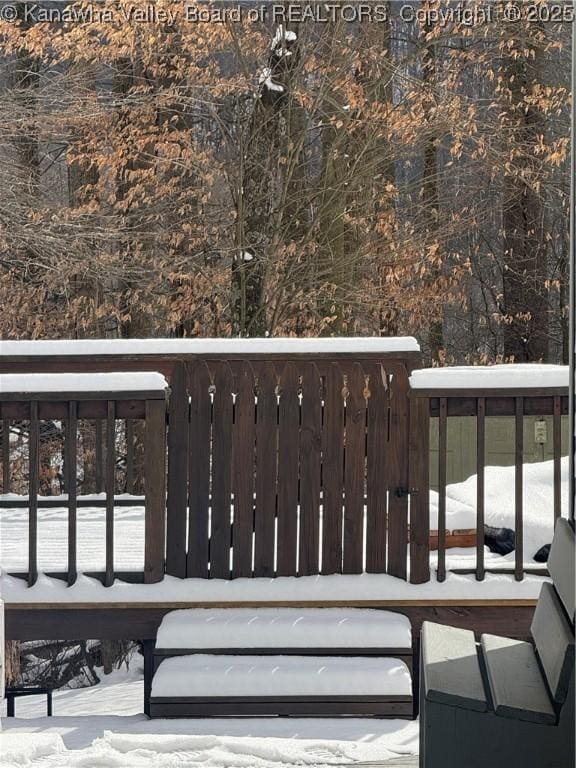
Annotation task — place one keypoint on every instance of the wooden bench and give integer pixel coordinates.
(281, 661)
(501, 702)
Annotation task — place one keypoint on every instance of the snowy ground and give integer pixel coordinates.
(84, 734)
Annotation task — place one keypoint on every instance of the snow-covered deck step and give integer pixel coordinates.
(286, 628)
(208, 684)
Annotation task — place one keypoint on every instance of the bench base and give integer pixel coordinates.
(270, 706)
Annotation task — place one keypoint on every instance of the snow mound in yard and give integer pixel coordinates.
(30, 749)
(168, 751)
(538, 513)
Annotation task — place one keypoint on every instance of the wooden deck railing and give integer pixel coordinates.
(283, 458)
(30, 412)
(483, 403)
(276, 463)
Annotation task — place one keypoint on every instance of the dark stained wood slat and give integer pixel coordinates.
(129, 427)
(98, 455)
(518, 490)
(480, 464)
(87, 409)
(33, 472)
(243, 447)
(385, 706)
(557, 442)
(54, 502)
(199, 469)
(221, 532)
(155, 491)
(332, 471)
(25, 621)
(110, 478)
(310, 455)
(71, 464)
(64, 396)
(377, 459)
(5, 453)
(496, 404)
(288, 438)
(442, 460)
(266, 454)
(419, 482)
(398, 475)
(354, 469)
(177, 501)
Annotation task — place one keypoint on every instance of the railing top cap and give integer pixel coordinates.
(514, 376)
(70, 384)
(272, 346)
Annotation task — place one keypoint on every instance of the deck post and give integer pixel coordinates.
(419, 486)
(155, 490)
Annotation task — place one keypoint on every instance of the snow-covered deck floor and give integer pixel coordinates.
(538, 518)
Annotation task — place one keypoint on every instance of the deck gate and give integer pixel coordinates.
(288, 468)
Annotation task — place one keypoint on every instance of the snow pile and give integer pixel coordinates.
(284, 628)
(16, 750)
(538, 512)
(81, 382)
(115, 750)
(509, 376)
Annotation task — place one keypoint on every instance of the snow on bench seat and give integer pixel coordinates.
(284, 628)
(204, 676)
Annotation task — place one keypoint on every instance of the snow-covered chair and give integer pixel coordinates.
(503, 702)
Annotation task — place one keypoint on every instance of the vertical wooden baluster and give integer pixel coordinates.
(518, 501)
(33, 456)
(222, 430)
(177, 502)
(419, 460)
(310, 456)
(557, 438)
(98, 456)
(243, 452)
(398, 474)
(480, 462)
(129, 456)
(266, 470)
(332, 471)
(442, 458)
(110, 487)
(288, 428)
(155, 490)
(198, 378)
(354, 471)
(5, 455)
(377, 459)
(71, 462)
